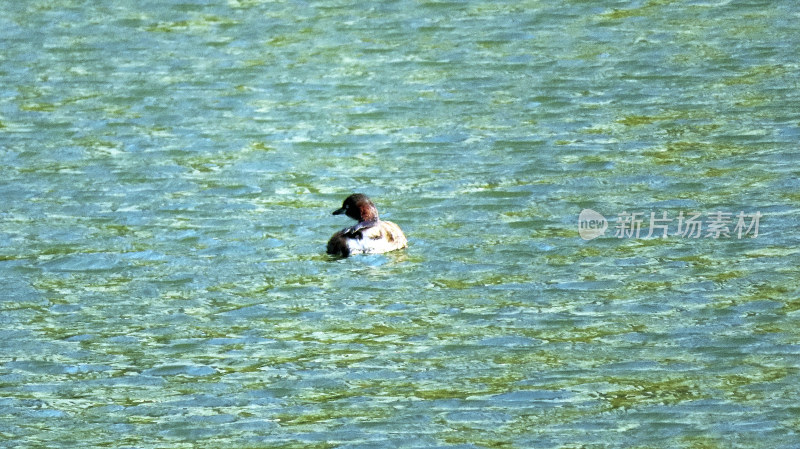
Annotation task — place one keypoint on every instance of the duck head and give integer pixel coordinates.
(358, 207)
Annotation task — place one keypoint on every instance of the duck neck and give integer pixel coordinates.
(368, 215)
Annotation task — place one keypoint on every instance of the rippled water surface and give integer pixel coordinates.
(169, 169)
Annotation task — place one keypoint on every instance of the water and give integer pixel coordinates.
(169, 169)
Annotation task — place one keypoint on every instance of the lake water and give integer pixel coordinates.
(169, 171)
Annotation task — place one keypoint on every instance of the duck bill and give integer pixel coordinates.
(339, 211)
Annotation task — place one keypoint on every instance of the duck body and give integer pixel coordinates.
(370, 235)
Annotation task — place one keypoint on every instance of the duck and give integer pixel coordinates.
(370, 235)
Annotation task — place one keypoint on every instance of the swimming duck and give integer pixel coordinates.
(370, 235)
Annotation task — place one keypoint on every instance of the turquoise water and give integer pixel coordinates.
(169, 169)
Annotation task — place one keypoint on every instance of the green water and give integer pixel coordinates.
(168, 170)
